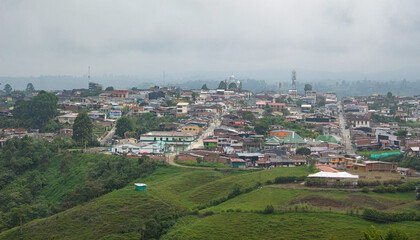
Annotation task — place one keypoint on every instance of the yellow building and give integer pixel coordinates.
(191, 129)
(337, 161)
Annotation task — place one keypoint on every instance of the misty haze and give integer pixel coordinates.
(209, 119)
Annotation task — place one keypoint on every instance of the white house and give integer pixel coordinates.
(137, 148)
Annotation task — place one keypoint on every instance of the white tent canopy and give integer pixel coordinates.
(333, 175)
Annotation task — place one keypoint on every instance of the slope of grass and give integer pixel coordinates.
(173, 191)
(202, 164)
(115, 212)
(338, 200)
(279, 226)
(223, 187)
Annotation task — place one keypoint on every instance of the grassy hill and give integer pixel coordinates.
(278, 226)
(168, 210)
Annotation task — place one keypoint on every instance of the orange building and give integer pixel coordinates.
(280, 133)
(120, 93)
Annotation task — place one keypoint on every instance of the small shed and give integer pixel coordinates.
(238, 163)
(140, 186)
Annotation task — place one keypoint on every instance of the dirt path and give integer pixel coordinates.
(171, 161)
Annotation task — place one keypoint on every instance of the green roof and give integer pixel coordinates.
(291, 138)
(327, 138)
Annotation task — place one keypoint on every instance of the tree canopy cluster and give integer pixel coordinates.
(36, 112)
(83, 130)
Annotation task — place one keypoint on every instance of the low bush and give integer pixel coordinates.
(268, 209)
(391, 188)
(379, 216)
(407, 187)
(380, 189)
(365, 189)
(208, 213)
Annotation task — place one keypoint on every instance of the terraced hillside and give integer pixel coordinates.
(183, 203)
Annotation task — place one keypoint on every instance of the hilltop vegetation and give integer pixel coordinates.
(182, 203)
(38, 179)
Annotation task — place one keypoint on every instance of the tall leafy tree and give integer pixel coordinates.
(109, 88)
(83, 129)
(38, 111)
(204, 87)
(7, 88)
(124, 124)
(30, 87)
(222, 85)
(308, 87)
(232, 86)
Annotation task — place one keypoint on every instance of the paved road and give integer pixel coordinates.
(345, 133)
(198, 143)
(111, 133)
(109, 136)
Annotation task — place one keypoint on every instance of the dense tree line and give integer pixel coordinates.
(36, 112)
(28, 167)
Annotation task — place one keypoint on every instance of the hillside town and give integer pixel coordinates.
(238, 128)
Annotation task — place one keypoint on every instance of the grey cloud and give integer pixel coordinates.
(63, 37)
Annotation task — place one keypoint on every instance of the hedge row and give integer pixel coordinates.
(379, 216)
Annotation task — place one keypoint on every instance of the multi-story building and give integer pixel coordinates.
(182, 109)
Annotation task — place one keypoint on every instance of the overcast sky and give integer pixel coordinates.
(144, 37)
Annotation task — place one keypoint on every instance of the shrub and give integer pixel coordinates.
(208, 213)
(268, 209)
(365, 189)
(378, 216)
(406, 187)
(391, 188)
(380, 189)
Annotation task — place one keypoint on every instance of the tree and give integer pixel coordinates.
(20, 215)
(402, 133)
(389, 95)
(393, 234)
(109, 88)
(308, 87)
(418, 191)
(303, 151)
(194, 96)
(65, 166)
(83, 129)
(268, 110)
(30, 87)
(36, 112)
(204, 87)
(7, 88)
(199, 160)
(261, 128)
(232, 85)
(248, 116)
(124, 124)
(222, 85)
(320, 101)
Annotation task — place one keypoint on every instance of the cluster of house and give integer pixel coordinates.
(370, 128)
(234, 139)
